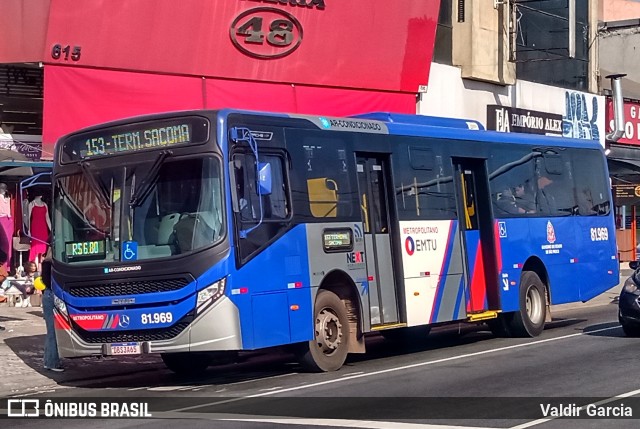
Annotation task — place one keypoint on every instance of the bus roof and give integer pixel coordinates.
(441, 127)
(430, 121)
(396, 124)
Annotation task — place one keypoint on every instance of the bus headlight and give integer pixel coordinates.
(211, 294)
(630, 286)
(60, 305)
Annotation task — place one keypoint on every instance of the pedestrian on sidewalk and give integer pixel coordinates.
(4, 285)
(51, 357)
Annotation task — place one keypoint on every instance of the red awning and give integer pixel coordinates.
(364, 44)
(76, 98)
(23, 30)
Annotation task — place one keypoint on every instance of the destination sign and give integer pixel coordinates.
(85, 250)
(337, 240)
(140, 136)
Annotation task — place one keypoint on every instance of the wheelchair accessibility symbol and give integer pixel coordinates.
(130, 251)
(502, 228)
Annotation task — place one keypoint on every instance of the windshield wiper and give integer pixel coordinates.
(95, 186)
(139, 194)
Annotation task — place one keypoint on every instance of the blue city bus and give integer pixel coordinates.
(201, 234)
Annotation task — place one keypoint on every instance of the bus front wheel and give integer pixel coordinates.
(186, 363)
(529, 320)
(328, 350)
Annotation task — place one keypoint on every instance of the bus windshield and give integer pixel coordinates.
(154, 209)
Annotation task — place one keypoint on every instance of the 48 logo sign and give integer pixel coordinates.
(266, 32)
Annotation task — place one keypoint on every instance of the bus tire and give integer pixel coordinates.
(529, 320)
(500, 326)
(330, 346)
(186, 363)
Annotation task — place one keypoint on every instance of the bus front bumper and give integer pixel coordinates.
(215, 329)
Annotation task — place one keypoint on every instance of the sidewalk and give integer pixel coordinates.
(22, 351)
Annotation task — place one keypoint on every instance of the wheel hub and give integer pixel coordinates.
(328, 331)
(533, 305)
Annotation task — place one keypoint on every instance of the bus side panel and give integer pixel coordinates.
(515, 248)
(432, 266)
(597, 263)
(554, 239)
(300, 316)
(344, 263)
(450, 296)
(270, 319)
(580, 267)
(265, 317)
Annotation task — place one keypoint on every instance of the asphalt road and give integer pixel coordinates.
(460, 376)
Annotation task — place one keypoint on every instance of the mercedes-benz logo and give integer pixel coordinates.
(124, 321)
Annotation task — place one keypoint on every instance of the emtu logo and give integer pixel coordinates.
(409, 246)
(420, 245)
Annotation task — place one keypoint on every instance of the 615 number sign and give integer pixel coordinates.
(65, 52)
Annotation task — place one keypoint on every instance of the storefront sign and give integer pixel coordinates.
(31, 150)
(631, 121)
(513, 120)
(364, 44)
(626, 194)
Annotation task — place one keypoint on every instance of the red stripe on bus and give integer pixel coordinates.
(478, 286)
(60, 323)
(496, 240)
(114, 324)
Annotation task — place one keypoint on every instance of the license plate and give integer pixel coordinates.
(126, 349)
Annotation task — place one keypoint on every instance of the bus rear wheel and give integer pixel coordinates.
(330, 346)
(529, 320)
(186, 363)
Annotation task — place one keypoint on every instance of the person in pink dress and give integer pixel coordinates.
(6, 226)
(39, 228)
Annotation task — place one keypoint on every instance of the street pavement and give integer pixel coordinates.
(22, 351)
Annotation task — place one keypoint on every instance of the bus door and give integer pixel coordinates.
(373, 173)
(478, 239)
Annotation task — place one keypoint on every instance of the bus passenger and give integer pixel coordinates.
(545, 201)
(507, 202)
(524, 200)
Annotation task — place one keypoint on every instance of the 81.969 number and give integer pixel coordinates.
(153, 318)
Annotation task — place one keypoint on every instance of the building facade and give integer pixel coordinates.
(517, 67)
(619, 38)
(108, 60)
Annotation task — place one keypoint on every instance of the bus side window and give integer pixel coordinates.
(260, 217)
(424, 180)
(592, 195)
(243, 187)
(511, 180)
